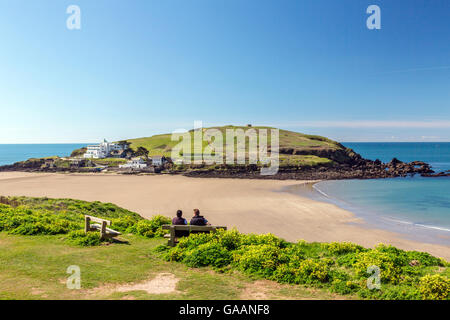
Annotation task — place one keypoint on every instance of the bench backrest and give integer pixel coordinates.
(185, 230)
(95, 219)
(103, 222)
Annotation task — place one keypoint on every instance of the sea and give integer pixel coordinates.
(417, 207)
(11, 153)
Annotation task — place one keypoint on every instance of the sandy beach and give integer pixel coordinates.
(257, 206)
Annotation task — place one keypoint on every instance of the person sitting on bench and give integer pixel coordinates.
(198, 220)
(179, 220)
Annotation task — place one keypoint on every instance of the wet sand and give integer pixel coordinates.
(257, 206)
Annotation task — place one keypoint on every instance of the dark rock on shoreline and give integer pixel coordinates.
(359, 169)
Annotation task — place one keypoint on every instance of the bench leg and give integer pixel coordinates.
(103, 230)
(172, 237)
(87, 224)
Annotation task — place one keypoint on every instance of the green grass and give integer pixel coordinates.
(34, 267)
(305, 161)
(113, 162)
(289, 140)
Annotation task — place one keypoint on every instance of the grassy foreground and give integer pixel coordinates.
(34, 267)
(40, 238)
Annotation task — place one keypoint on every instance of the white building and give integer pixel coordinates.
(102, 150)
(135, 163)
(158, 160)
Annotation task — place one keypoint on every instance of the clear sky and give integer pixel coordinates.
(137, 68)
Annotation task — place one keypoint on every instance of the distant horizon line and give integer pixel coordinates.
(88, 143)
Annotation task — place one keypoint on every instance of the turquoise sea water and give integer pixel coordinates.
(10, 153)
(416, 206)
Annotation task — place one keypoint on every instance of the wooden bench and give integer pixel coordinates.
(105, 233)
(177, 231)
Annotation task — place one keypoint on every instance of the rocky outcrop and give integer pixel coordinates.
(358, 169)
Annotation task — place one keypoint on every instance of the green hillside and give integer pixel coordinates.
(295, 148)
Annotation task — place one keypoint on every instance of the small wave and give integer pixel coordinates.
(416, 224)
(320, 191)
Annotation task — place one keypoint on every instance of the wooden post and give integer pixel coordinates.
(87, 224)
(103, 230)
(172, 236)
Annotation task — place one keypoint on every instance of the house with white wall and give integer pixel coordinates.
(158, 160)
(102, 150)
(134, 163)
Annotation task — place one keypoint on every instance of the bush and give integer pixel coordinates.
(33, 222)
(258, 239)
(434, 287)
(208, 254)
(258, 259)
(400, 293)
(84, 239)
(231, 240)
(389, 259)
(424, 258)
(175, 254)
(148, 228)
(124, 224)
(284, 273)
(339, 248)
(343, 287)
(195, 239)
(389, 271)
(311, 271)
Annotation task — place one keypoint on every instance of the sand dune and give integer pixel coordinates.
(257, 206)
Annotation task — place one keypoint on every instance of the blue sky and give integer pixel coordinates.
(137, 68)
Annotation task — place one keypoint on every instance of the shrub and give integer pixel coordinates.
(311, 271)
(231, 240)
(347, 260)
(390, 272)
(259, 239)
(143, 228)
(84, 239)
(33, 222)
(400, 293)
(389, 259)
(343, 287)
(208, 254)
(175, 254)
(424, 258)
(124, 224)
(258, 259)
(195, 239)
(339, 248)
(284, 274)
(149, 228)
(434, 287)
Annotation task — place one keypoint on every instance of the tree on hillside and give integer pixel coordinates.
(124, 144)
(141, 151)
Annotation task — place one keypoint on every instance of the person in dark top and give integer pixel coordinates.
(179, 220)
(198, 220)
